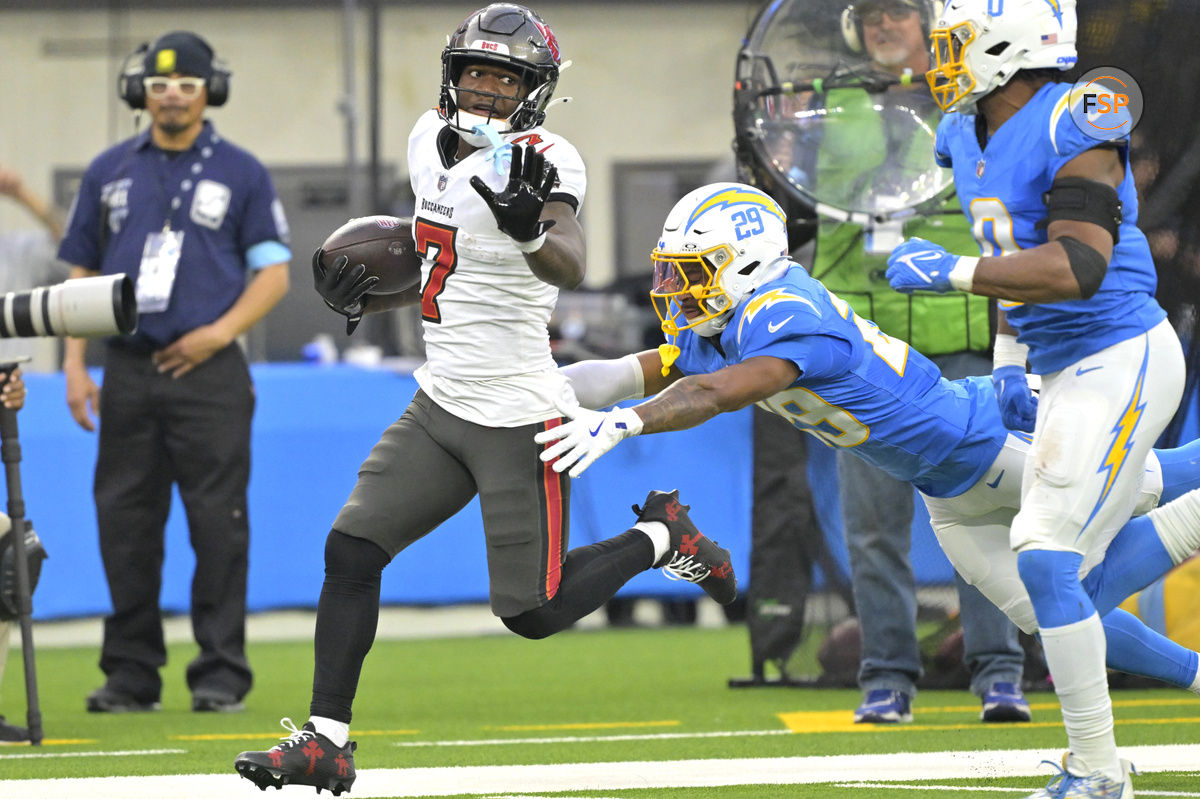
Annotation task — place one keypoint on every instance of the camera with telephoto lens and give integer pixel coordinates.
(85, 307)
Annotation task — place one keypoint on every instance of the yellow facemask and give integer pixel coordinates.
(950, 80)
(685, 281)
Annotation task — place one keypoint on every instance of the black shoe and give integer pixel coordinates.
(692, 557)
(305, 757)
(11, 733)
(216, 702)
(107, 700)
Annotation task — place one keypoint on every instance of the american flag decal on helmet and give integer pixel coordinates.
(551, 42)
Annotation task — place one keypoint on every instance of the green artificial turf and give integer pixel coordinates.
(660, 694)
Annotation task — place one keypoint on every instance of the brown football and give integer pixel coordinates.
(384, 245)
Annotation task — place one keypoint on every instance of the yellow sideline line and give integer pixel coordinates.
(843, 721)
(1054, 705)
(1027, 725)
(608, 725)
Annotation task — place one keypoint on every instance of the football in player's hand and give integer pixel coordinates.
(384, 245)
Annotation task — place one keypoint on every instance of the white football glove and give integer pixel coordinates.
(587, 436)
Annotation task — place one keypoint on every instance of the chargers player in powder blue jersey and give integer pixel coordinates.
(1053, 206)
(748, 325)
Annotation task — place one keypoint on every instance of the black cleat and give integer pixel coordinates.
(305, 757)
(693, 556)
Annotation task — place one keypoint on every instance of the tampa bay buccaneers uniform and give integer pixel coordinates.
(484, 186)
(488, 376)
(484, 313)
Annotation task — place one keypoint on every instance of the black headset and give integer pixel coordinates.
(133, 70)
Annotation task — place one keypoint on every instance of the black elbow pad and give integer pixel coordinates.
(1083, 200)
(1087, 264)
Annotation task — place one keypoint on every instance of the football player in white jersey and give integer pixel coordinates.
(495, 225)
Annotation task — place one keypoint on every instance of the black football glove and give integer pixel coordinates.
(343, 287)
(517, 209)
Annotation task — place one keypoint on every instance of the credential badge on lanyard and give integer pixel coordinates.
(160, 259)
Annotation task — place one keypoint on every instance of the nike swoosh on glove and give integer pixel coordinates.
(586, 437)
(920, 265)
(1018, 406)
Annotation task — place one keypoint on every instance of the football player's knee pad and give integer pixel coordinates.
(532, 624)
(1178, 525)
(1051, 578)
(348, 556)
(1152, 488)
(541, 622)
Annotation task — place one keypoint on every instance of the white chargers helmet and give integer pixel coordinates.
(719, 243)
(978, 45)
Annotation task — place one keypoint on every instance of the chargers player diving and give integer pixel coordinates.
(1054, 209)
(497, 240)
(748, 325)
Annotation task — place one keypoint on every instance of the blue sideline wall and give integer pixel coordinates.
(314, 426)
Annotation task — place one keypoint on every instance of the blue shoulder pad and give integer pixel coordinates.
(774, 310)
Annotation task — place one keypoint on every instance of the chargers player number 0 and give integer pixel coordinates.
(992, 227)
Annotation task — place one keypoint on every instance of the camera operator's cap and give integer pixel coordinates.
(866, 5)
(179, 51)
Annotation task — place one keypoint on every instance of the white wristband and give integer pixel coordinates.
(962, 276)
(1007, 351)
(533, 245)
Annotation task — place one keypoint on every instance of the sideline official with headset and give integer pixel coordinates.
(187, 215)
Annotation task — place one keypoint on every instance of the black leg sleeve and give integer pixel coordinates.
(591, 575)
(347, 616)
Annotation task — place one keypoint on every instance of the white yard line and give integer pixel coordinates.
(959, 789)
(114, 753)
(575, 739)
(613, 776)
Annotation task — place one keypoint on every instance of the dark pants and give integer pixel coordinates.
(787, 541)
(194, 432)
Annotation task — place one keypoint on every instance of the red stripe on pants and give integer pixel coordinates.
(554, 521)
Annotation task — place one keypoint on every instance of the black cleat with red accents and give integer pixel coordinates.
(693, 556)
(303, 758)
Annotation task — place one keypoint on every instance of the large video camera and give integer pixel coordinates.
(85, 307)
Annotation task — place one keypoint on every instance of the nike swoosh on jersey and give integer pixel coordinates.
(772, 327)
(1082, 371)
(996, 482)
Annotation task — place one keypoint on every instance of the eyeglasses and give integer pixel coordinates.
(896, 12)
(157, 87)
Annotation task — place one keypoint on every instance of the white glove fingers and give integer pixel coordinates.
(583, 464)
(552, 434)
